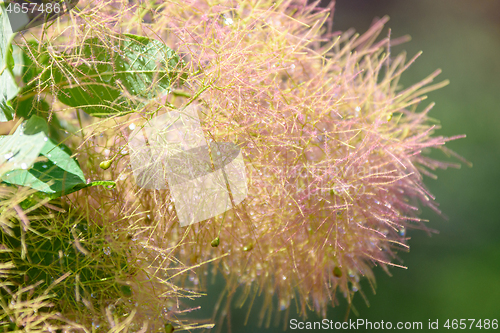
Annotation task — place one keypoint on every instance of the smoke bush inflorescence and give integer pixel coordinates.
(333, 147)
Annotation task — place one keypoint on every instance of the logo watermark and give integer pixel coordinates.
(170, 151)
(20, 15)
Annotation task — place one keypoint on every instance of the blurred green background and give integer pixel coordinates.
(454, 274)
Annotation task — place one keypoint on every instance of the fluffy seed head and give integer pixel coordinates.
(333, 146)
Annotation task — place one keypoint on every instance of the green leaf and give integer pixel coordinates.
(139, 67)
(36, 125)
(57, 175)
(31, 63)
(26, 105)
(19, 151)
(28, 101)
(17, 61)
(8, 86)
(35, 64)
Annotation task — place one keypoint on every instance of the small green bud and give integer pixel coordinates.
(105, 164)
(169, 328)
(333, 192)
(389, 116)
(337, 271)
(215, 242)
(248, 247)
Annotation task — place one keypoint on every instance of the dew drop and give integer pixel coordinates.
(132, 126)
(24, 166)
(8, 156)
(282, 305)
